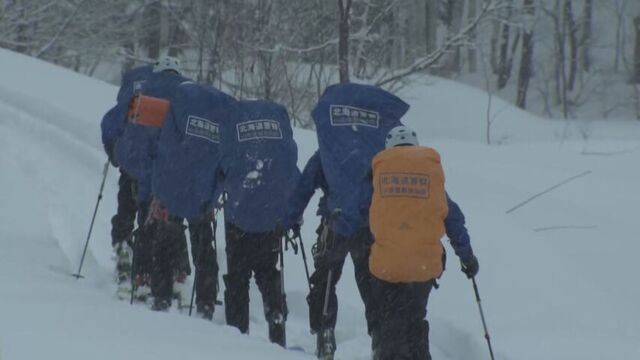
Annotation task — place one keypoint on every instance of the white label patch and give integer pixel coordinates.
(137, 86)
(404, 185)
(203, 128)
(343, 115)
(259, 129)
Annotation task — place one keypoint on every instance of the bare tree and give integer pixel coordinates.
(526, 61)
(586, 36)
(572, 33)
(431, 28)
(472, 50)
(636, 51)
(344, 11)
(507, 49)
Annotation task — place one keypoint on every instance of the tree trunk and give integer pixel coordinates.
(572, 28)
(585, 41)
(431, 27)
(494, 59)
(504, 65)
(344, 9)
(472, 52)
(636, 52)
(453, 61)
(525, 73)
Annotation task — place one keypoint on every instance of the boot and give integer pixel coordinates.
(142, 287)
(205, 310)
(326, 343)
(277, 330)
(160, 304)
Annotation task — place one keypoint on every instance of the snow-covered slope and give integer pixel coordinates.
(557, 275)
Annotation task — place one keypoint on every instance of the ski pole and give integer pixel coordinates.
(95, 211)
(484, 323)
(330, 227)
(304, 260)
(197, 265)
(134, 263)
(215, 254)
(283, 306)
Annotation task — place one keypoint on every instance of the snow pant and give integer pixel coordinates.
(255, 253)
(169, 255)
(331, 261)
(205, 261)
(122, 221)
(403, 331)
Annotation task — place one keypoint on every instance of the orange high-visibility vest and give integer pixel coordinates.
(407, 213)
(148, 110)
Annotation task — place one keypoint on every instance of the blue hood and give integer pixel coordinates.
(113, 122)
(188, 156)
(135, 149)
(352, 121)
(259, 165)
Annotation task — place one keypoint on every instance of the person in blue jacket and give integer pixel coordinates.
(134, 152)
(186, 183)
(351, 121)
(322, 322)
(259, 169)
(112, 126)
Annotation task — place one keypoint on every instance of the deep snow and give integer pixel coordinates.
(569, 292)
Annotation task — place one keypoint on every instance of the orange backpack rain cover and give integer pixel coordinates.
(407, 213)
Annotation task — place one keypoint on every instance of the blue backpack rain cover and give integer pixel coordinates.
(135, 149)
(352, 121)
(188, 156)
(114, 120)
(259, 165)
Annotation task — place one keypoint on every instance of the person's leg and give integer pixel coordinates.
(322, 299)
(206, 264)
(269, 281)
(144, 237)
(122, 221)
(388, 336)
(418, 324)
(166, 249)
(402, 332)
(360, 247)
(121, 232)
(236, 293)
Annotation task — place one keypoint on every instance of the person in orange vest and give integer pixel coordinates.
(409, 213)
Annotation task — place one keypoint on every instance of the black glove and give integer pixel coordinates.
(470, 266)
(110, 150)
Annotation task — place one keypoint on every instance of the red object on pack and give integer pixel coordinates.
(148, 110)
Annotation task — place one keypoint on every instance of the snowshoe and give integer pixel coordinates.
(181, 291)
(326, 344)
(123, 257)
(124, 291)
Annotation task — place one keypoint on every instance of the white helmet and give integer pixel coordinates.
(167, 62)
(400, 135)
